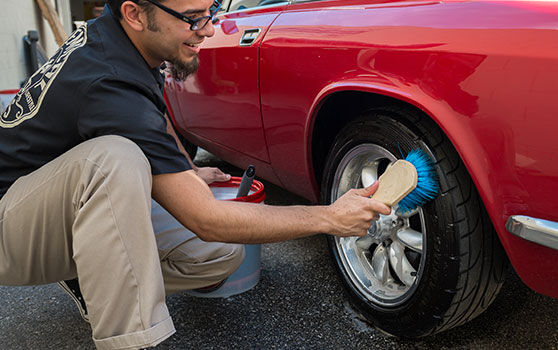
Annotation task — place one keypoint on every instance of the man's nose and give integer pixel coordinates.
(208, 30)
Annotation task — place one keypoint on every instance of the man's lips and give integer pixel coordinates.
(193, 47)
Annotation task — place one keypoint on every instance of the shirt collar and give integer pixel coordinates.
(126, 56)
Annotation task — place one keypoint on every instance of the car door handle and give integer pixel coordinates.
(249, 36)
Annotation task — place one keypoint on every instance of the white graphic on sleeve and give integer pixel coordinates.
(28, 101)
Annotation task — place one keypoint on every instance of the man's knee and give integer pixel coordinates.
(114, 150)
(221, 258)
(182, 271)
(213, 260)
(117, 159)
(107, 164)
(235, 254)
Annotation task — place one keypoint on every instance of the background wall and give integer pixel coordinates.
(17, 17)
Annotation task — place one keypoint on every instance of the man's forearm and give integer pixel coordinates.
(234, 222)
(191, 202)
(237, 222)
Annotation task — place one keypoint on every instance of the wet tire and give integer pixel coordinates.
(454, 261)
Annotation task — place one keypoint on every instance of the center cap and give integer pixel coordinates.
(386, 226)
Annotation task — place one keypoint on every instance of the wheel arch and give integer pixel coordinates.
(339, 104)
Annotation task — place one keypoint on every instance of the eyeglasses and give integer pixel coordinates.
(195, 23)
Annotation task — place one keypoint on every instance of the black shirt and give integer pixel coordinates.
(96, 84)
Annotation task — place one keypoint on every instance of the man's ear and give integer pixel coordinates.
(133, 15)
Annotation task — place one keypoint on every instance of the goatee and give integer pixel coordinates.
(180, 70)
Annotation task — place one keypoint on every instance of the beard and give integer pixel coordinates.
(177, 68)
(180, 70)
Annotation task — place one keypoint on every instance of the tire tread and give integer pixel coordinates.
(481, 281)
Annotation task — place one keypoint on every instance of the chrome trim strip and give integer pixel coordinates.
(543, 232)
(283, 3)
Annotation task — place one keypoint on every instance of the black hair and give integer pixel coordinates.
(116, 4)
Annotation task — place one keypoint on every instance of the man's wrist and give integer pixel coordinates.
(324, 222)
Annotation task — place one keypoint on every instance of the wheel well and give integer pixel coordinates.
(338, 110)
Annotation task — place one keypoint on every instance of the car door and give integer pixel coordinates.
(220, 104)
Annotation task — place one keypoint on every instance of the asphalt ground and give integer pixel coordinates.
(299, 303)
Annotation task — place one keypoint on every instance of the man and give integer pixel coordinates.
(84, 148)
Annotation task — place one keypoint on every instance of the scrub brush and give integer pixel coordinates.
(411, 182)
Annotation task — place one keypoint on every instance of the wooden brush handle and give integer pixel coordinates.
(396, 182)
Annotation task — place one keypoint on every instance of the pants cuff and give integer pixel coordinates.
(143, 339)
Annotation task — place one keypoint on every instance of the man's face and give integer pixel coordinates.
(170, 39)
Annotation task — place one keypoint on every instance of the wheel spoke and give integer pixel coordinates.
(364, 242)
(400, 264)
(368, 175)
(380, 263)
(411, 239)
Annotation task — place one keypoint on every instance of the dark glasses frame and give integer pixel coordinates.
(197, 23)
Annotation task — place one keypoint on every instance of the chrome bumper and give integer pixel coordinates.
(540, 231)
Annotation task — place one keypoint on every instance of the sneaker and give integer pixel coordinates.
(72, 288)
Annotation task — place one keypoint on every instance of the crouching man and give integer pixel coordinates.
(84, 149)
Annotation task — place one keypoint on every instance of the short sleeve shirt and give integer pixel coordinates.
(96, 84)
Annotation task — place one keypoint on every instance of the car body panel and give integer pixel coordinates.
(172, 93)
(224, 104)
(484, 71)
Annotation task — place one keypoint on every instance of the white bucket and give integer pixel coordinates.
(248, 274)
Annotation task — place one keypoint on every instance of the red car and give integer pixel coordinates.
(322, 95)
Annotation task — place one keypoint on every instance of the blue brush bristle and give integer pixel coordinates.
(427, 183)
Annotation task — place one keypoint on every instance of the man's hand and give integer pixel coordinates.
(209, 175)
(353, 213)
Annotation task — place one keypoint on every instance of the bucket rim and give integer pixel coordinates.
(257, 188)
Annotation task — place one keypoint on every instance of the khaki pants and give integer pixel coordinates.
(87, 213)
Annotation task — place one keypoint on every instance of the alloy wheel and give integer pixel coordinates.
(387, 263)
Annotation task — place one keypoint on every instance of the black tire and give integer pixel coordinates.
(190, 148)
(461, 263)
